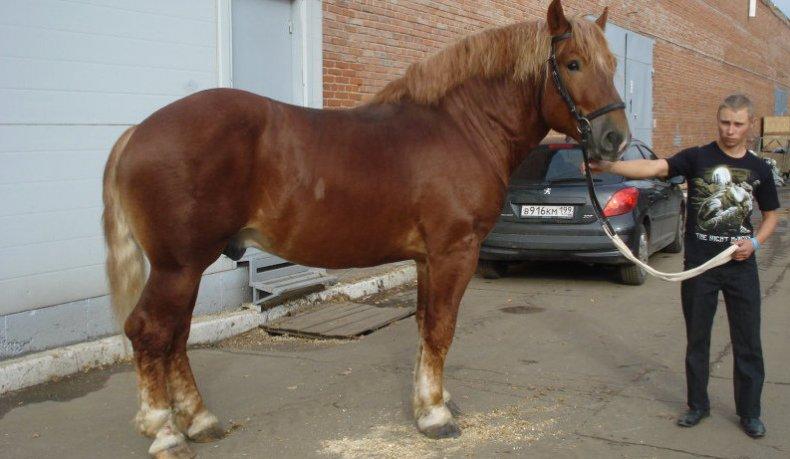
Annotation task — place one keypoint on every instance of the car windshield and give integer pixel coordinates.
(543, 165)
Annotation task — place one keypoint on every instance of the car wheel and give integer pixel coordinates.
(680, 233)
(491, 269)
(632, 274)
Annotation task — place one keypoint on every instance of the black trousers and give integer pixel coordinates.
(739, 283)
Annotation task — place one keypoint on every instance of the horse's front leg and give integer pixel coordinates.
(442, 280)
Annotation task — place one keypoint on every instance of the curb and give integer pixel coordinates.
(43, 366)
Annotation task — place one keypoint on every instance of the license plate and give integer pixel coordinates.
(547, 211)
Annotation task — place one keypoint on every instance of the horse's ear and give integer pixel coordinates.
(601, 21)
(556, 20)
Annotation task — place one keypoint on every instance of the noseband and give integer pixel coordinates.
(582, 121)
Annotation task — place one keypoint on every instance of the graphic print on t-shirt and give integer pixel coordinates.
(723, 200)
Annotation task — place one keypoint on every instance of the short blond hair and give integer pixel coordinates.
(737, 102)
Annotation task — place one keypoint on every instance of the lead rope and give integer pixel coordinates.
(723, 257)
(585, 130)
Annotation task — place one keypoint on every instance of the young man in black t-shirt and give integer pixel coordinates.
(723, 179)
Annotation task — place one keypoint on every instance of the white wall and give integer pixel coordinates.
(73, 76)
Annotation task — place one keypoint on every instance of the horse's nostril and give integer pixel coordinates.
(611, 140)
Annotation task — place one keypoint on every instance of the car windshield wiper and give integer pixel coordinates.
(572, 179)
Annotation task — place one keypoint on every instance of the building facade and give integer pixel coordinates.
(73, 76)
(702, 51)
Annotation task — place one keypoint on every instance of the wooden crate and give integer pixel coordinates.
(773, 142)
(776, 125)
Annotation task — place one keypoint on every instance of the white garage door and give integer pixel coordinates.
(73, 76)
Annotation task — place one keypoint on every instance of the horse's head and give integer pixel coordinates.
(579, 96)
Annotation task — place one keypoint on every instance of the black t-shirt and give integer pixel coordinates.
(720, 197)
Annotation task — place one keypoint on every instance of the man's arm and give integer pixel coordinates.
(636, 169)
(767, 227)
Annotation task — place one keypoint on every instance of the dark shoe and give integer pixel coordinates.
(753, 427)
(692, 417)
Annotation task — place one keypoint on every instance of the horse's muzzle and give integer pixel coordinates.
(608, 141)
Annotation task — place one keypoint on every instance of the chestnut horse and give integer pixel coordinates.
(418, 173)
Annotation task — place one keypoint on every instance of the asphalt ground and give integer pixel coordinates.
(556, 360)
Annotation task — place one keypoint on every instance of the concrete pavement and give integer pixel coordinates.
(555, 361)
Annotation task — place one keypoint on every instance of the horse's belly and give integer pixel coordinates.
(335, 246)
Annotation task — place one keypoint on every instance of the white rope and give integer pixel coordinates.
(718, 260)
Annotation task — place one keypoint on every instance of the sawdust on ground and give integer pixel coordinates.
(513, 426)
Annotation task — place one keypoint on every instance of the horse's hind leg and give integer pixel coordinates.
(192, 417)
(159, 317)
(441, 284)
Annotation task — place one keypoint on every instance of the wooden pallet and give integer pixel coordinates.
(344, 320)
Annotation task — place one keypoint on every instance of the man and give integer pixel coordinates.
(723, 177)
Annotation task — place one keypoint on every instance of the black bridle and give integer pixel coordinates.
(582, 121)
(582, 124)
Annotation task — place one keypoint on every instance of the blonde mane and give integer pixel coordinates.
(520, 50)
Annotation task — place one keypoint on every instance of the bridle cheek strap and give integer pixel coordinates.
(582, 121)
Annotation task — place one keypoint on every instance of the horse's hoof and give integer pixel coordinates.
(453, 407)
(205, 428)
(212, 433)
(449, 430)
(170, 444)
(180, 451)
(437, 422)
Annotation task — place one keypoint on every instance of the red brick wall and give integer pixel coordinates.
(705, 49)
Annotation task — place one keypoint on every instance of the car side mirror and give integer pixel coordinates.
(677, 180)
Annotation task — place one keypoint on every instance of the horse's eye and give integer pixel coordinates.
(573, 65)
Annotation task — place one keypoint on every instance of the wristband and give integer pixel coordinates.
(755, 243)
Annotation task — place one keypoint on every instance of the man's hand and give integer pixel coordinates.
(745, 250)
(597, 166)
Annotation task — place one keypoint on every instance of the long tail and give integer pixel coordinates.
(125, 260)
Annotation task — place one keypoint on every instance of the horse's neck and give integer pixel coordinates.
(500, 117)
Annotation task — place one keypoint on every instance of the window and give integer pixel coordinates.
(780, 101)
(544, 165)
